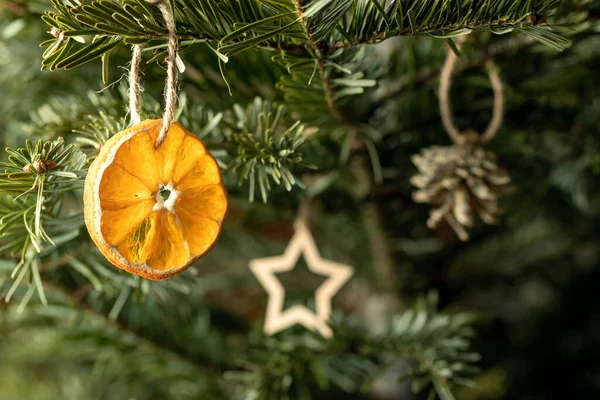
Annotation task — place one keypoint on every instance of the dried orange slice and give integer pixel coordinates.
(154, 211)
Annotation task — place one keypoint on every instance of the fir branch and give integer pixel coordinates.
(443, 19)
(32, 189)
(266, 150)
(320, 63)
(102, 25)
(63, 116)
(37, 176)
(318, 89)
(437, 343)
(260, 143)
(296, 363)
(82, 324)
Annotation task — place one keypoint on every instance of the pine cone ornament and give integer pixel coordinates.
(458, 181)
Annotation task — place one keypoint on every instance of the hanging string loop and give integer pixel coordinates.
(134, 84)
(455, 134)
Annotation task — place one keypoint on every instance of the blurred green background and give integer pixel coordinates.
(532, 278)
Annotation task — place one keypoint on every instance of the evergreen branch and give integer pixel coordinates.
(320, 62)
(335, 87)
(64, 116)
(428, 75)
(82, 326)
(92, 136)
(373, 21)
(301, 364)
(107, 23)
(100, 26)
(38, 176)
(318, 89)
(35, 180)
(437, 343)
(259, 143)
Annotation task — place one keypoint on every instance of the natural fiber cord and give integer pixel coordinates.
(171, 82)
(134, 84)
(446, 104)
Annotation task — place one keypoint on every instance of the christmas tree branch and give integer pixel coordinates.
(78, 304)
(320, 63)
(262, 147)
(81, 323)
(497, 49)
(102, 25)
(36, 177)
(442, 19)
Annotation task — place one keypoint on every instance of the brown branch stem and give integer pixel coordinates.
(321, 65)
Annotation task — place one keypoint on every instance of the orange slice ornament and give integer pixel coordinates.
(154, 211)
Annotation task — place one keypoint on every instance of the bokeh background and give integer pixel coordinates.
(532, 279)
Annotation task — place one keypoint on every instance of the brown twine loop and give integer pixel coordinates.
(134, 84)
(171, 82)
(445, 103)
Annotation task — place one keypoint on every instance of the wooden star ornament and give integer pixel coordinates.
(278, 319)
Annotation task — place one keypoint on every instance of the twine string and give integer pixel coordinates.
(304, 213)
(171, 84)
(446, 105)
(134, 84)
(498, 115)
(171, 81)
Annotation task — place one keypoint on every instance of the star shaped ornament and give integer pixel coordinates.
(278, 319)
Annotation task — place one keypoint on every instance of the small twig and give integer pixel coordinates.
(321, 65)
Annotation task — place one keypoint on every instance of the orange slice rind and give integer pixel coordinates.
(154, 211)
